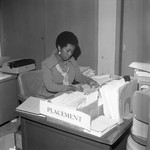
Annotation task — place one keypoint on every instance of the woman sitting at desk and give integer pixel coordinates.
(61, 69)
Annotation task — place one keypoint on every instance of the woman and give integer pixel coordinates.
(61, 69)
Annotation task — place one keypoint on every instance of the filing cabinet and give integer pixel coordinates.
(8, 98)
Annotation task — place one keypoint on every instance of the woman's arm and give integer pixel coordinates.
(84, 79)
(51, 86)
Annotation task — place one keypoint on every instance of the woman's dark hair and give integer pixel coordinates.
(65, 38)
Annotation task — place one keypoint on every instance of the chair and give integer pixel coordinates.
(139, 139)
(29, 84)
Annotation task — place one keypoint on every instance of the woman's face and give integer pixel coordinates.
(66, 52)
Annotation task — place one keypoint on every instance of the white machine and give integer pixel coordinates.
(17, 66)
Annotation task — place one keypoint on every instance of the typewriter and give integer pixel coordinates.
(18, 66)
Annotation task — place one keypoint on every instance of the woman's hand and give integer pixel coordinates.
(92, 83)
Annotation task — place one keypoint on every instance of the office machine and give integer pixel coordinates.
(19, 65)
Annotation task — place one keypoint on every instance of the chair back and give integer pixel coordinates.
(29, 83)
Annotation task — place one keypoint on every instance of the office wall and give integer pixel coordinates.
(78, 16)
(23, 29)
(0, 29)
(146, 32)
(136, 33)
(30, 27)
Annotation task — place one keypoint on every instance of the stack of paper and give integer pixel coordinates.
(111, 98)
(140, 66)
(87, 71)
(31, 106)
(70, 100)
(101, 126)
(87, 103)
(75, 100)
(105, 78)
(141, 71)
(142, 76)
(116, 97)
(101, 79)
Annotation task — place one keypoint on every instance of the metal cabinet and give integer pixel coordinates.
(8, 98)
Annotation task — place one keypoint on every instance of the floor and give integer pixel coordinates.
(10, 137)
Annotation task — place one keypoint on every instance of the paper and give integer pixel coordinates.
(75, 100)
(142, 73)
(70, 100)
(31, 105)
(111, 101)
(105, 78)
(92, 97)
(140, 66)
(116, 97)
(102, 123)
(101, 126)
(87, 71)
(101, 78)
(87, 89)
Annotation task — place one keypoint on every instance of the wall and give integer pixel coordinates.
(0, 28)
(122, 41)
(30, 27)
(146, 32)
(23, 29)
(78, 16)
(109, 36)
(18, 37)
(136, 34)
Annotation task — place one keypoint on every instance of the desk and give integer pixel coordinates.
(40, 134)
